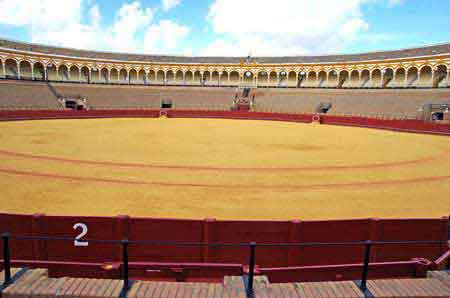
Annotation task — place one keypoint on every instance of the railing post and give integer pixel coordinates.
(251, 269)
(6, 259)
(126, 285)
(365, 271)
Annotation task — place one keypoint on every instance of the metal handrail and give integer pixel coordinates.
(125, 243)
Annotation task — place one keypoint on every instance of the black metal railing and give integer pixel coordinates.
(252, 246)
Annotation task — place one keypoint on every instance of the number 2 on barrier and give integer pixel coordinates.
(84, 230)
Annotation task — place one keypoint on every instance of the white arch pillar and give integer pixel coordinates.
(32, 70)
(89, 75)
(4, 68)
(448, 77)
(18, 69)
(79, 74)
(57, 72)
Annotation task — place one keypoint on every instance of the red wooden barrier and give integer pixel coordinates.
(313, 263)
(211, 231)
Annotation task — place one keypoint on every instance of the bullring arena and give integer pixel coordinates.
(164, 176)
(228, 169)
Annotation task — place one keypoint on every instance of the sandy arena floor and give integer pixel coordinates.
(228, 169)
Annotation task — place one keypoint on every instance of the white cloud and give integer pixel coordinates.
(130, 20)
(78, 24)
(169, 4)
(284, 27)
(166, 36)
(396, 2)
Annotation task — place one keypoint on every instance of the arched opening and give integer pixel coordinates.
(85, 74)
(133, 76)
(343, 79)
(188, 77)
(25, 70)
(170, 77)
(38, 71)
(332, 79)
(312, 79)
(52, 74)
(301, 79)
(11, 69)
(160, 77)
(63, 73)
(376, 78)
(234, 77)
(74, 73)
(273, 78)
(388, 77)
(224, 78)
(292, 79)
(123, 76)
(412, 77)
(95, 75)
(322, 76)
(354, 79)
(282, 79)
(400, 77)
(365, 78)
(206, 78)
(426, 77)
(104, 75)
(142, 77)
(248, 77)
(151, 78)
(113, 75)
(215, 78)
(263, 78)
(179, 78)
(440, 77)
(197, 78)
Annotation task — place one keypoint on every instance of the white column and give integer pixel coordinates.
(448, 77)
(128, 76)
(433, 71)
(32, 71)
(57, 73)
(45, 73)
(4, 68)
(406, 78)
(79, 75)
(90, 76)
(18, 70)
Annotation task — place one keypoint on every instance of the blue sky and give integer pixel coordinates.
(228, 27)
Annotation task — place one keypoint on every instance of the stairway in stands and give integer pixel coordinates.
(244, 101)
